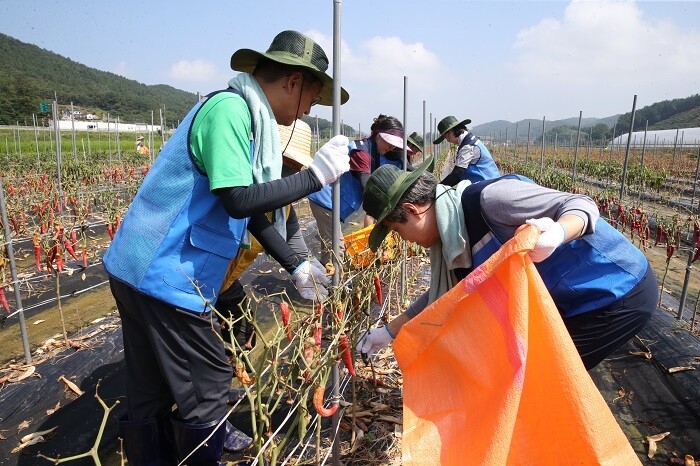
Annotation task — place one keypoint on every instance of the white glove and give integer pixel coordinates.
(331, 160)
(310, 281)
(552, 235)
(375, 339)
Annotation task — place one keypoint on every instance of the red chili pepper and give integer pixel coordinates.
(318, 404)
(59, 262)
(110, 231)
(69, 248)
(670, 249)
(73, 238)
(84, 254)
(117, 222)
(345, 353)
(15, 223)
(378, 289)
(3, 299)
(284, 308)
(318, 334)
(37, 252)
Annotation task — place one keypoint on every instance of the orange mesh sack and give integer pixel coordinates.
(491, 376)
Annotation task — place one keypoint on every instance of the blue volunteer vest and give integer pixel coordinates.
(483, 168)
(176, 231)
(582, 275)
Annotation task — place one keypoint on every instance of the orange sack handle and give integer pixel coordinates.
(492, 377)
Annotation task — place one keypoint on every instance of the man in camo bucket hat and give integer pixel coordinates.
(601, 283)
(214, 180)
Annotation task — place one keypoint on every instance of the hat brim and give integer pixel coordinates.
(419, 147)
(394, 140)
(404, 181)
(449, 128)
(245, 60)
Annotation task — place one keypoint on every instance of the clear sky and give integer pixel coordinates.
(483, 60)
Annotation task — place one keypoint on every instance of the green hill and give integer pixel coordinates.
(30, 75)
(497, 129)
(668, 114)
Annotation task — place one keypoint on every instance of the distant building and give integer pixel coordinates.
(681, 137)
(94, 125)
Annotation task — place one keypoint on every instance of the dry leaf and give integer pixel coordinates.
(23, 425)
(673, 370)
(652, 448)
(265, 271)
(83, 276)
(378, 406)
(37, 322)
(28, 372)
(71, 385)
(29, 437)
(31, 442)
(391, 419)
(99, 319)
(658, 437)
(644, 354)
(359, 436)
(49, 412)
(652, 439)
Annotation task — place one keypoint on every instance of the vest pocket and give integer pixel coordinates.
(204, 258)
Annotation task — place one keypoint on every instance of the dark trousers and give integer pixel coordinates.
(598, 333)
(172, 357)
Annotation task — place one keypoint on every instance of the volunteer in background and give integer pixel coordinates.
(473, 160)
(377, 149)
(142, 148)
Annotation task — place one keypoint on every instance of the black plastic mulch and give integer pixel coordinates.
(647, 397)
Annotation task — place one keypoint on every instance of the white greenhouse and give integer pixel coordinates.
(681, 138)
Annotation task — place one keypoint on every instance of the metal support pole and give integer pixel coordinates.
(72, 124)
(542, 156)
(15, 281)
(695, 181)
(336, 229)
(684, 292)
(424, 136)
(578, 138)
(57, 130)
(527, 147)
(627, 149)
(405, 167)
(644, 147)
(675, 145)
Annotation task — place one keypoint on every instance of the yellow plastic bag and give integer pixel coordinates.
(491, 376)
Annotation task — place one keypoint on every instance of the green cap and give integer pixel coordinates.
(384, 188)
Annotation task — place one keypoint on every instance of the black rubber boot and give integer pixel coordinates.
(236, 440)
(147, 442)
(189, 436)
